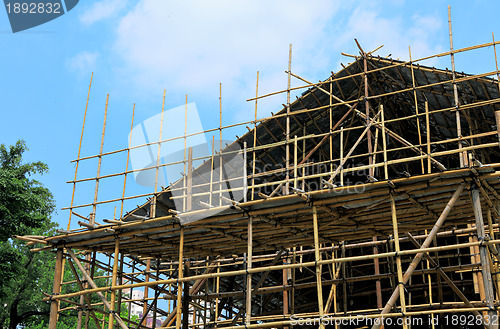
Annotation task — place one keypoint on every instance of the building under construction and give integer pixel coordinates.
(371, 200)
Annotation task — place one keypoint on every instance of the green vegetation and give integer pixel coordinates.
(25, 209)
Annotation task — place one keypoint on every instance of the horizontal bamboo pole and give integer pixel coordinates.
(279, 267)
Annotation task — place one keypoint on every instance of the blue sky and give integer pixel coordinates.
(136, 49)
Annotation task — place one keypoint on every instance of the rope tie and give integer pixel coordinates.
(404, 286)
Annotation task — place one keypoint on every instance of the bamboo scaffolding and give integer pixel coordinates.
(238, 264)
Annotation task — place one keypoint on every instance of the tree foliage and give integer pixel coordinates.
(25, 208)
(25, 204)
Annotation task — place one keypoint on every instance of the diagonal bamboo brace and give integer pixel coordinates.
(418, 257)
(445, 276)
(94, 286)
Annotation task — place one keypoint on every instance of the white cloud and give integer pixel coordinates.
(83, 62)
(102, 10)
(372, 29)
(191, 46)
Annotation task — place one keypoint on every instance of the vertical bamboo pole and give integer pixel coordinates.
(212, 170)
(94, 286)
(292, 299)
(398, 259)
(190, 180)
(286, 297)
(303, 157)
(184, 161)
(384, 141)
(157, 294)
(286, 301)
(331, 125)
(428, 129)
(429, 277)
(92, 216)
(217, 288)
(126, 166)
(416, 110)
(94, 204)
(378, 286)
(254, 155)
(367, 112)
(220, 143)
(497, 112)
(120, 282)
(249, 276)
(146, 293)
(317, 257)
(463, 157)
(495, 264)
(483, 253)
(152, 213)
(287, 160)
(185, 298)
(78, 156)
(418, 257)
(180, 276)
(113, 282)
(295, 173)
(245, 174)
(131, 294)
(54, 304)
(342, 155)
(344, 277)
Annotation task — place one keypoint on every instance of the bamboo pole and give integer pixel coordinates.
(254, 155)
(86, 297)
(113, 283)
(158, 157)
(341, 155)
(393, 134)
(462, 156)
(79, 150)
(428, 136)
(278, 267)
(495, 263)
(341, 165)
(384, 141)
(317, 257)
(54, 304)
(444, 275)
(367, 111)
(485, 262)
(180, 277)
(220, 144)
(378, 286)
(189, 200)
(401, 283)
(126, 166)
(94, 286)
(248, 318)
(245, 174)
(295, 157)
(411, 268)
(146, 293)
(416, 107)
(287, 133)
(94, 204)
(330, 115)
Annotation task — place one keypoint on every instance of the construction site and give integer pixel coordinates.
(371, 200)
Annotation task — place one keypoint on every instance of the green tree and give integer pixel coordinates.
(25, 208)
